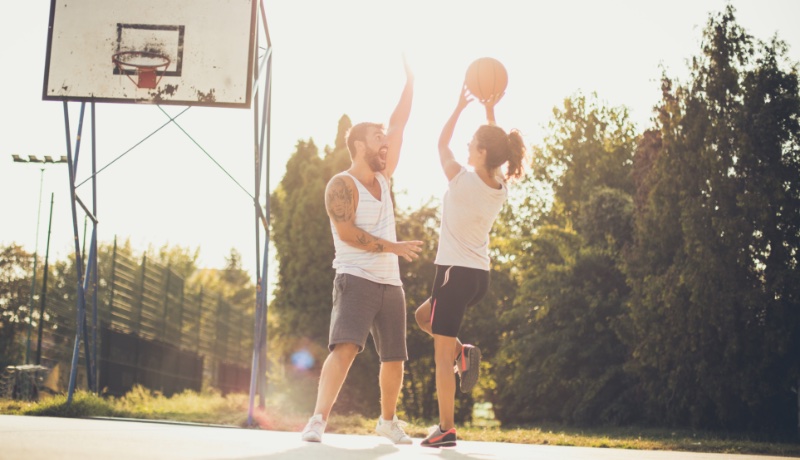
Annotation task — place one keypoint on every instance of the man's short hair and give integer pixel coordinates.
(359, 133)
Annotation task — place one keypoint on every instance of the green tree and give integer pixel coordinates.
(303, 246)
(714, 265)
(232, 282)
(588, 145)
(181, 260)
(15, 292)
(560, 355)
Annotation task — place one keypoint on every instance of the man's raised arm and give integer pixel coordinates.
(398, 121)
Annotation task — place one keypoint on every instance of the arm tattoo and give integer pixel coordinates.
(339, 200)
(362, 239)
(339, 203)
(365, 239)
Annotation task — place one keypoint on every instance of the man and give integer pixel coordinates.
(368, 296)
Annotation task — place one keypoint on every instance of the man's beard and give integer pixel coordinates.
(374, 160)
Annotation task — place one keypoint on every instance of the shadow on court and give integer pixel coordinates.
(323, 451)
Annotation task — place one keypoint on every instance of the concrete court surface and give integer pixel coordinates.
(34, 438)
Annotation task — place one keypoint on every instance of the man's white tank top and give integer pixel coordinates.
(376, 218)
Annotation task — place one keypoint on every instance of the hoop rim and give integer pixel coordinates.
(116, 58)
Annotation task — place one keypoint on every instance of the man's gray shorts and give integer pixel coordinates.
(362, 307)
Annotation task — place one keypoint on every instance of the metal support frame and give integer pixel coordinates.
(87, 275)
(83, 277)
(261, 132)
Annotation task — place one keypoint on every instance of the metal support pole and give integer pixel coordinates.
(94, 357)
(87, 345)
(81, 332)
(33, 282)
(265, 146)
(79, 314)
(265, 137)
(44, 286)
(259, 361)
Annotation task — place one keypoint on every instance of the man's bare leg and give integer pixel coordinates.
(334, 372)
(391, 381)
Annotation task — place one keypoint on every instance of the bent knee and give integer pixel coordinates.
(345, 350)
(423, 315)
(422, 319)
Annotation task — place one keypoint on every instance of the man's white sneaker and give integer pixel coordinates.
(314, 429)
(393, 430)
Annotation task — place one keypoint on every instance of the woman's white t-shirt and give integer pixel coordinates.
(469, 209)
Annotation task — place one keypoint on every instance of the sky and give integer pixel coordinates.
(331, 59)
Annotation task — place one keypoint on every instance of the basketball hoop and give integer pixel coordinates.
(148, 66)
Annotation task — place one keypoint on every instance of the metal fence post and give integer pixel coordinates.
(166, 304)
(180, 314)
(199, 319)
(112, 282)
(141, 296)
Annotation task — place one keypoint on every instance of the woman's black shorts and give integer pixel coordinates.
(454, 289)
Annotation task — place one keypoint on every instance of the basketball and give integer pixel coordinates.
(486, 77)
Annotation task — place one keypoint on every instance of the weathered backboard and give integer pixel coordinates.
(208, 45)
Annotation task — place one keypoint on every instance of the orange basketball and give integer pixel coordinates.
(486, 77)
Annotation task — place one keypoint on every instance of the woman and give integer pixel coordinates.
(469, 209)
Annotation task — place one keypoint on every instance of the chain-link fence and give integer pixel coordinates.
(152, 331)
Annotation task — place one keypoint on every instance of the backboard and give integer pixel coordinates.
(197, 52)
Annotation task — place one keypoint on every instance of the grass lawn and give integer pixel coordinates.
(212, 408)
